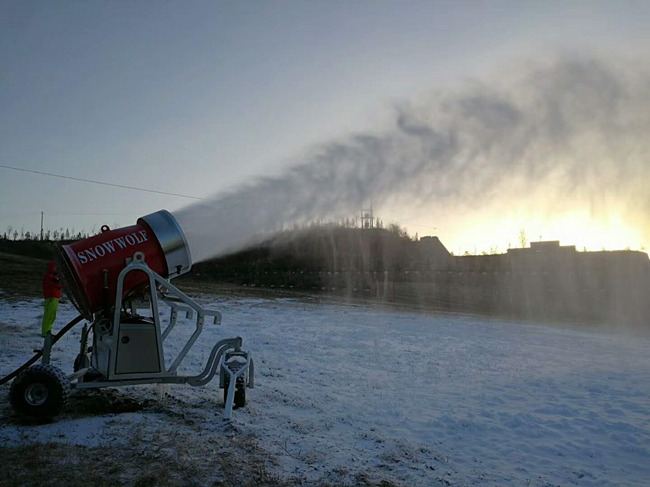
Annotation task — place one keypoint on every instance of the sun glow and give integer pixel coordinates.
(497, 233)
(577, 228)
(587, 233)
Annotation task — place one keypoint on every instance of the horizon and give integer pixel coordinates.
(53, 235)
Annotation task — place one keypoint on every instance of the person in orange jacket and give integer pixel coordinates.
(52, 293)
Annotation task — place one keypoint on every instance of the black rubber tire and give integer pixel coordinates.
(240, 392)
(40, 392)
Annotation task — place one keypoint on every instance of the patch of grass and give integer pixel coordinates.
(175, 455)
(246, 466)
(96, 402)
(154, 479)
(55, 464)
(21, 276)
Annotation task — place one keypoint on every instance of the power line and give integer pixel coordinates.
(63, 213)
(56, 213)
(99, 182)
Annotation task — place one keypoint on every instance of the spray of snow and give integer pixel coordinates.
(570, 131)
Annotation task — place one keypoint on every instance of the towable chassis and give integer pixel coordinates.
(128, 350)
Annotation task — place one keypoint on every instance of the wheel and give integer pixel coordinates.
(240, 391)
(40, 392)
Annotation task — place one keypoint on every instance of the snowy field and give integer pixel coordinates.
(350, 395)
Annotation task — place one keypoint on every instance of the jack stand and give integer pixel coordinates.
(237, 371)
(47, 348)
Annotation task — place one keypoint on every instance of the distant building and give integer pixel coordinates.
(551, 281)
(544, 282)
(429, 253)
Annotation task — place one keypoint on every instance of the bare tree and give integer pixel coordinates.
(523, 240)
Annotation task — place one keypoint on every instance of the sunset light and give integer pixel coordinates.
(497, 233)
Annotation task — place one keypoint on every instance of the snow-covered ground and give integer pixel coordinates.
(352, 395)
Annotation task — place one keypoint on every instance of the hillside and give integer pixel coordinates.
(20, 275)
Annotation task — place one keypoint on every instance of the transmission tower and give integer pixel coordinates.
(367, 220)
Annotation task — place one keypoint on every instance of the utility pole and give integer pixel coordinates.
(41, 226)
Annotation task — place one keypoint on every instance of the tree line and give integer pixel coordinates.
(60, 234)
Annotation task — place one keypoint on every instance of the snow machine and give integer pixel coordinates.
(119, 280)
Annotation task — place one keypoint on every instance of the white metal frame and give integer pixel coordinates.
(161, 289)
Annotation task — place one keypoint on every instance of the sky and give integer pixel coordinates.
(200, 98)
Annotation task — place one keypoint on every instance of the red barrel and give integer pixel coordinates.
(90, 268)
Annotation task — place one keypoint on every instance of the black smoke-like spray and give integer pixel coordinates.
(571, 131)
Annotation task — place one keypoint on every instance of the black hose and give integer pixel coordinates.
(39, 354)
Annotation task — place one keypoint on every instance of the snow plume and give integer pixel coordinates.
(548, 135)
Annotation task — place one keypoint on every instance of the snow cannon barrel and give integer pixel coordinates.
(89, 268)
